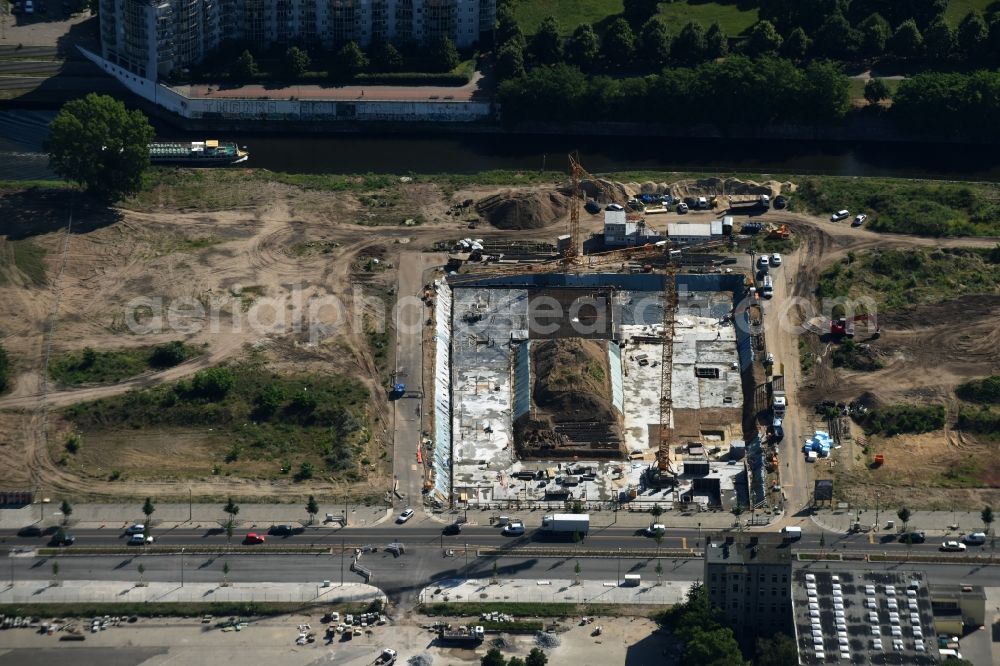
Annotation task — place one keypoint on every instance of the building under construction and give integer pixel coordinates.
(549, 389)
(152, 38)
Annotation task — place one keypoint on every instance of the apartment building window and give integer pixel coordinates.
(736, 588)
(706, 373)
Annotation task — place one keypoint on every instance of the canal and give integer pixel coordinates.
(22, 133)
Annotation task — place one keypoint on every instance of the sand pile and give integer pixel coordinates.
(523, 210)
(572, 380)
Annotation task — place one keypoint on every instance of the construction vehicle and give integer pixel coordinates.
(397, 391)
(779, 232)
(779, 401)
(462, 636)
(844, 326)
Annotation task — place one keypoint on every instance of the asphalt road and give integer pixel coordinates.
(429, 535)
(402, 578)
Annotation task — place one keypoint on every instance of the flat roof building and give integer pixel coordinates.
(748, 578)
(151, 38)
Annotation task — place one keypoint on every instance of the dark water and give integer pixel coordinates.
(22, 134)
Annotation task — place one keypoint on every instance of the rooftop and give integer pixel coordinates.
(864, 617)
(745, 549)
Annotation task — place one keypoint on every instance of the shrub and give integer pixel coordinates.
(212, 384)
(982, 390)
(168, 355)
(897, 419)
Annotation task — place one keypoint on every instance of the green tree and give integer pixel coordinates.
(55, 573)
(836, 39)
(4, 370)
(442, 54)
(493, 657)
(546, 45)
(618, 46)
(232, 508)
(296, 62)
(98, 143)
(510, 62)
(141, 569)
(939, 41)
(955, 661)
(907, 42)
(987, 517)
(659, 571)
(654, 43)
(148, 508)
(689, 45)
(973, 35)
(875, 32)
(168, 355)
(715, 646)
(778, 650)
(515, 661)
(67, 511)
(245, 67)
(656, 511)
(230, 528)
(826, 92)
(536, 658)
(583, 46)
(351, 60)
(212, 384)
(763, 40)
(576, 570)
(876, 90)
(797, 45)
(225, 573)
(312, 508)
(508, 29)
(305, 472)
(716, 42)
(904, 515)
(73, 442)
(386, 57)
(637, 12)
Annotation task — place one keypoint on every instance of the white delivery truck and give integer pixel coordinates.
(791, 533)
(566, 523)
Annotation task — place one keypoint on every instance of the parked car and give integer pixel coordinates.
(614, 206)
(975, 538)
(859, 220)
(30, 531)
(454, 528)
(387, 657)
(840, 215)
(776, 432)
(253, 537)
(912, 537)
(953, 547)
(513, 528)
(139, 540)
(138, 528)
(780, 202)
(682, 208)
(776, 259)
(592, 207)
(405, 515)
(281, 530)
(764, 261)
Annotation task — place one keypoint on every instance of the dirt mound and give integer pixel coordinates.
(523, 210)
(572, 380)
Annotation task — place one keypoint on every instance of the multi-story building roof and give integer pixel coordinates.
(153, 37)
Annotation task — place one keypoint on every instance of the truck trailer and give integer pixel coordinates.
(566, 523)
(463, 636)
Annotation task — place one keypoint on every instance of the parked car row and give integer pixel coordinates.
(859, 219)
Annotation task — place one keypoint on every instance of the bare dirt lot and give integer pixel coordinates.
(300, 277)
(241, 245)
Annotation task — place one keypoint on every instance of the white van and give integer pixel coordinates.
(840, 215)
(791, 533)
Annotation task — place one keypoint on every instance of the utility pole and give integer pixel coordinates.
(182, 567)
(10, 556)
(342, 562)
(190, 501)
(466, 562)
(876, 510)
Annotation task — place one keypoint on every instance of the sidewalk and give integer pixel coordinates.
(708, 520)
(556, 591)
(935, 523)
(98, 591)
(166, 516)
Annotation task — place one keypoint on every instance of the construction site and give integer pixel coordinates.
(607, 378)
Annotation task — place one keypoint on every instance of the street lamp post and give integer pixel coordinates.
(182, 567)
(467, 563)
(877, 497)
(699, 534)
(10, 556)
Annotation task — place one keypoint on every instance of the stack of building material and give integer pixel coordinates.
(820, 442)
